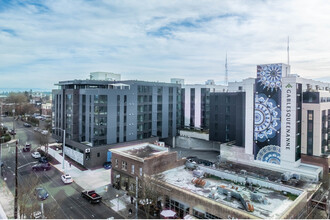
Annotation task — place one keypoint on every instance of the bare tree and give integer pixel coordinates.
(148, 193)
(43, 140)
(27, 108)
(28, 203)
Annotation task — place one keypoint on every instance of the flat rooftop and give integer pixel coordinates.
(276, 202)
(142, 151)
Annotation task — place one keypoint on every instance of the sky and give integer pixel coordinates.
(44, 42)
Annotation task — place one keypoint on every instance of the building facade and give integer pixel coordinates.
(316, 122)
(100, 113)
(227, 118)
(196, 104)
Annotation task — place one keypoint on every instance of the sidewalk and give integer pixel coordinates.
(87, 179)
(6, 201)
(122, 204)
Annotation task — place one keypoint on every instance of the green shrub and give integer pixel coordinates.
(7, 138)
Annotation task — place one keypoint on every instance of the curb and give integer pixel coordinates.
(2, 213)
(102, 201)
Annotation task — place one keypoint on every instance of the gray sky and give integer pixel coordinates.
(43, 42)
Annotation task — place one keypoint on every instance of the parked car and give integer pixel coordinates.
(36, 155)
(41, 166)
(41, 193)
(43, 160)
(91, 196)
(27, 148)
(44, 132)
(66, 178)
(107, 165)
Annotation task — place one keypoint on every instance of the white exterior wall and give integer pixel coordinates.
(198, 107)
(247, 87)
(249, 115)
(105, 76)
(186, 106)
(317, 126)
(288, 122)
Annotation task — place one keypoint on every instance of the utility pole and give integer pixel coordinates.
(14, 122)
(136, 197)
(16, 185)
(1, 138)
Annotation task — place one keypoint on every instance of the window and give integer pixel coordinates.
(132, 170)
(124, 165)
(227, 99)
(98, 154)
(198, 214)
(140, 171)
(116, 163)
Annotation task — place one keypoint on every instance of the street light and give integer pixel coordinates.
(63, 145)
(117, 196)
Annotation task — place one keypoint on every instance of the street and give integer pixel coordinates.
(64, 201)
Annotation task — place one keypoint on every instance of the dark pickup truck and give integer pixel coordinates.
(91, 196)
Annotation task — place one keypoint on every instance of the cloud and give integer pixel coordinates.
(43, 42)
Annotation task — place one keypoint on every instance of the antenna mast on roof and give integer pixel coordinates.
(288, 49)
(226, 73)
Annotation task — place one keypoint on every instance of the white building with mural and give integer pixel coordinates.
(277, 104)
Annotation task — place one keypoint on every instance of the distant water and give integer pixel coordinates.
(8, 90)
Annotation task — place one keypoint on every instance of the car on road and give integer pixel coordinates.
(44, 132)
(66, 178)
(27, 125)
(27, 147)
(41, 166)
(91, 196)
(41, 193)
(107, 165)
(35, 155)
(37, 215)
(35, 129)
(43, 160)
(12, 132)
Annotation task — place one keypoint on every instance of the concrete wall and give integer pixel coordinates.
(192, 134)
(298, 209)
(323, 162)
(162, 162)
(193, 143)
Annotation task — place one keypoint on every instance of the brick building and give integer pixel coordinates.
(139, 160)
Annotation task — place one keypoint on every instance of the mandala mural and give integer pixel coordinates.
(266, 118)
(270, 76)
(270, 154)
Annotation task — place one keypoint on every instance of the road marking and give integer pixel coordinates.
(27, 164)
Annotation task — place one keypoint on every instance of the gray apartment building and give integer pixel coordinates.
(97, 114)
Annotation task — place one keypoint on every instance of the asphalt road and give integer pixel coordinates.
(64, 201)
